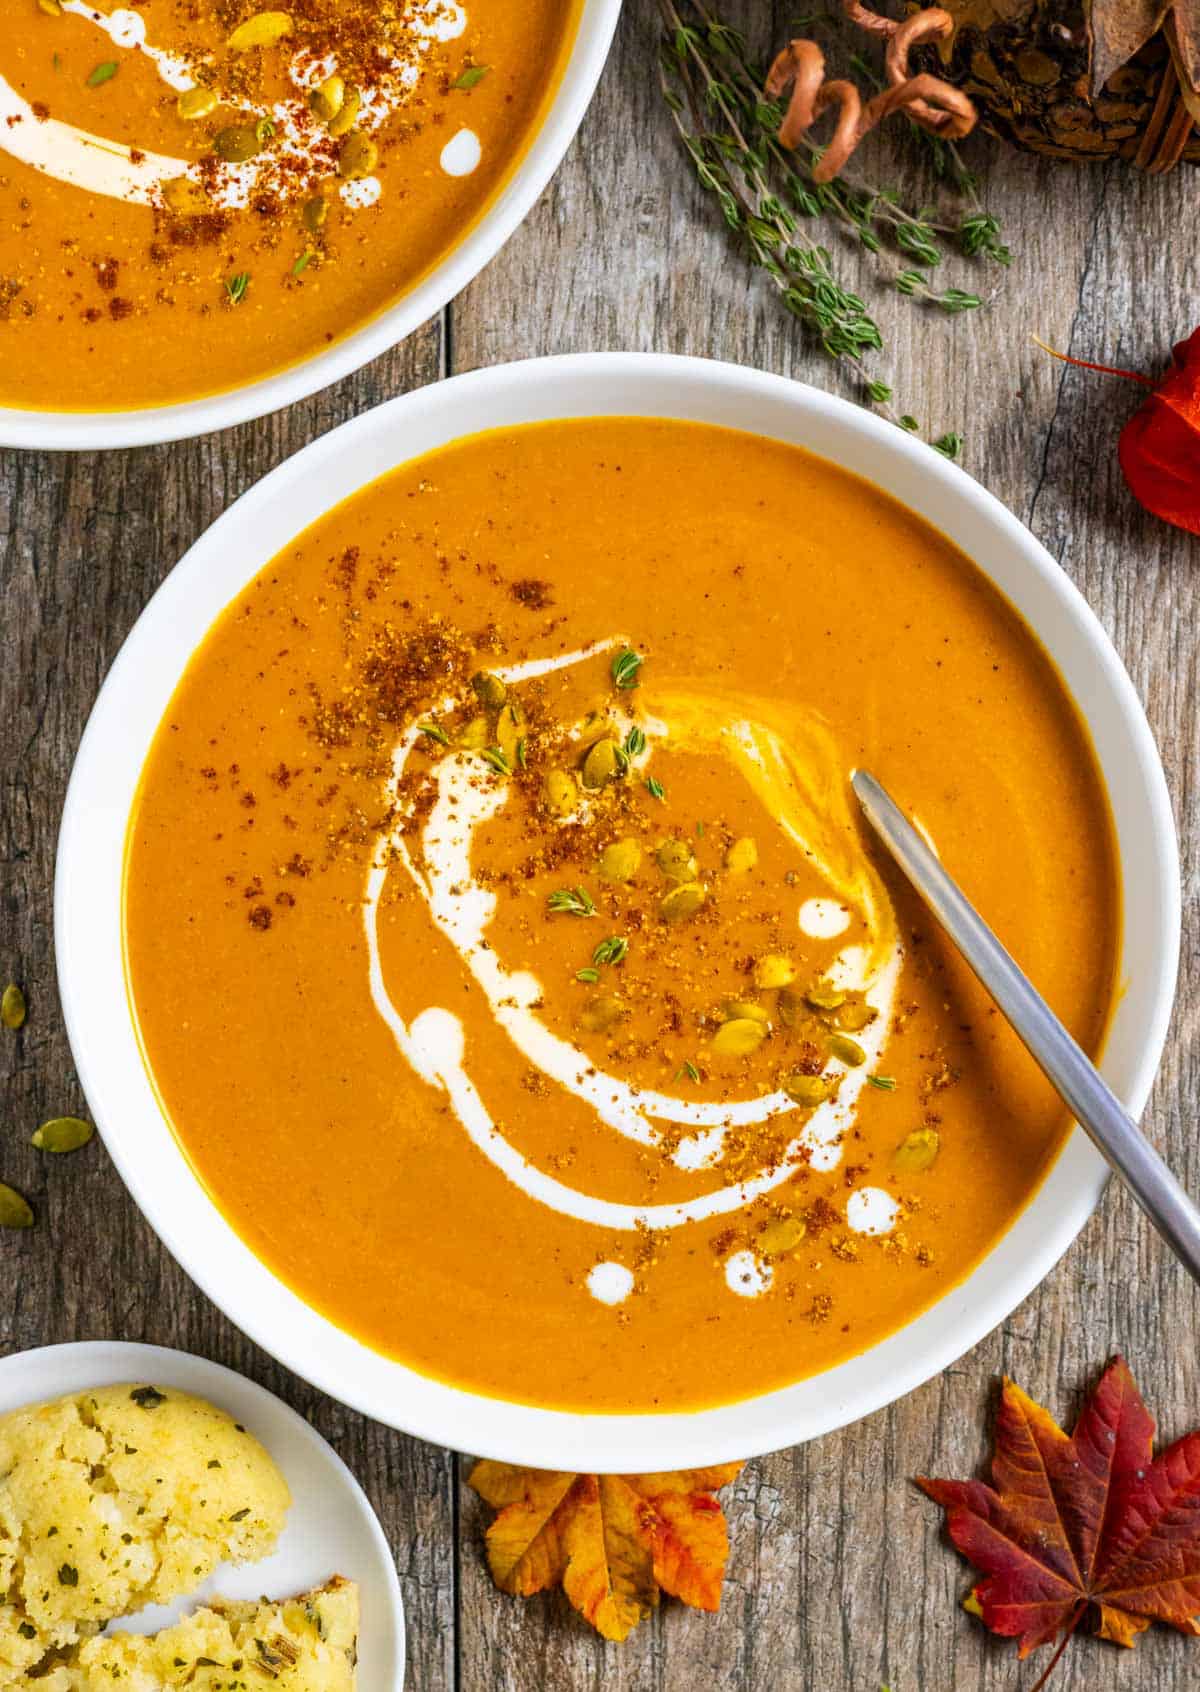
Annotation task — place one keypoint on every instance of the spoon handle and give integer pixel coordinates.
(1066, 1066)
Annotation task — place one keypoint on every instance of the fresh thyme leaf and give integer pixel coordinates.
(950, 446)
(879, 392)
(612, 950)
(494, 756)
(434, 733)
(625, 667)
(522, 753)
(885, 1083)
(909, 423)
(302, 263)
(655, 788)
(572, 901)
(235, 287)
(689, 1069)
(103, 73)
(471, 77)
(700, 830)
(591, 976)
(635, 743)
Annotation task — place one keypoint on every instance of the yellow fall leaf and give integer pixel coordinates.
(613, 1542)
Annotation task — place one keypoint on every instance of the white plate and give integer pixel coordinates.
(88, 920)
(331, 1528)
(80, 431)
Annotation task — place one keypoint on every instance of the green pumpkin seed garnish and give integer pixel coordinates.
(559, 792)
(735, 1009)
(602, 1012)
(620, 860)
(264, 29)
(847, 1051)
(489, 690)
(63, 1134)
(315, 214)
(347, 115)
(52, 8)
(674, 858)
(806, 1090)
(12, 1007)
(682, 902)
(196, 103)
(358, 158)
(774, 970)
(237, 144)
(509, 727)
(918, 1152)
(738, 1037)
(328, 100)
(742, 856)
(854, 1015)
(782, 1235)
(822, 995)
(475, 735)
(14, 1210)
(603, 764)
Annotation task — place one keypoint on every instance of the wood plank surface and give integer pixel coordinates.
(840, 1580)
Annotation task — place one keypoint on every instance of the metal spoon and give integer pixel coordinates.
(1065, 1065)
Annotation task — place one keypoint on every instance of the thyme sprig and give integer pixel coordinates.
(767, 196)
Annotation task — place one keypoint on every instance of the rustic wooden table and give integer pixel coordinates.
(840, 1579)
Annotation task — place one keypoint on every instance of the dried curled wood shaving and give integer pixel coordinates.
(928, 100)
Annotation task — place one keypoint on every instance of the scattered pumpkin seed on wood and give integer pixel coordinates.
(14, 1210)
(12, 1007)
(63, 1134)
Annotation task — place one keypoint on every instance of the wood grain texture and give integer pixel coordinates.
(840, 1580)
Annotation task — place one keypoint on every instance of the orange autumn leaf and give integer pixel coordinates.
(1086, 1524)
(613, 1542)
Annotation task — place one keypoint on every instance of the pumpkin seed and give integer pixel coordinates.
(328, 100)
(675, 860)
(774, 970)
(489, 690)
(347, 114)
(603, 1012)
(823, 995)
(14, 1210)
(807, 1090)
(12, 1007)
(63, 1134)
(315, 212)
(918, 1152)
(358, 158)
(784, 1234)
(742, 1008)
(602, 765)
(791, 1006)
(854, 1015)
(847, 1051)
(52, 8)
(238, 143)
(184, 197)
(620, 861)
(474, 735)
(195, 103)
(510, 728)
(741, 856)
(559, 792)
(738, 1037)
(264, 29)
(682, 902)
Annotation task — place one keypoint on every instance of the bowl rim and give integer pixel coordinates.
(197, 1234)
(95, 431)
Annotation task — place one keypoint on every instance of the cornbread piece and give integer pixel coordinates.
(117, 1498)
(305, 1644)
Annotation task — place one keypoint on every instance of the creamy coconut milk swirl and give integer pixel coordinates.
(813, 814)
(100, 165)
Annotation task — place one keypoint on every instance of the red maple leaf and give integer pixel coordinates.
(1091, 1523)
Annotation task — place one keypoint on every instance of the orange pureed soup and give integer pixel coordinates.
(508, 956)
(196, 193)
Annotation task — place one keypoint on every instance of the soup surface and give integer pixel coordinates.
(508, 956)
(196, 193)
